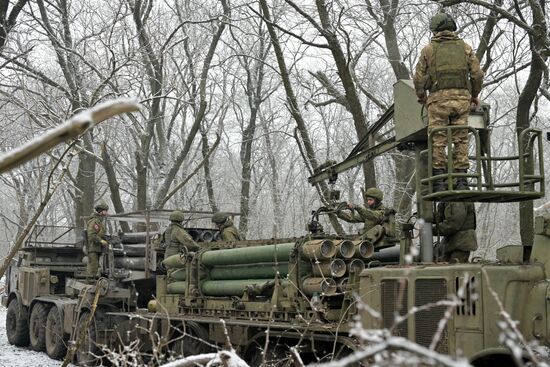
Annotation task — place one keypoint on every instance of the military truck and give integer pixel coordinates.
(48, 296)
(265, 296)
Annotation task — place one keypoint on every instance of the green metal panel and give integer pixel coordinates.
(409, 124)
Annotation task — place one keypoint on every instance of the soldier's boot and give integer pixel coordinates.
(461, 182)
(441, 184)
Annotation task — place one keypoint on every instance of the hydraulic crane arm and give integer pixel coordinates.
(359, 154)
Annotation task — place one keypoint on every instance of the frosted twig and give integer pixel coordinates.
(70, 129)
(511, 324)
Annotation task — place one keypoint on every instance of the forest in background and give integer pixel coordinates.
(242, 100)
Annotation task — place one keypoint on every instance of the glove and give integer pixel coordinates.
(104, 243)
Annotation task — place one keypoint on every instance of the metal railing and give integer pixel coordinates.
(529, 160)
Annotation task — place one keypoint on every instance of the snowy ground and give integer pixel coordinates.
(11, 356)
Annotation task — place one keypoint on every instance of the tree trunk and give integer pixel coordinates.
(310, 157)
(113, 185)
(525, 102)
(201, 111)
(346, 77)
(207, 176)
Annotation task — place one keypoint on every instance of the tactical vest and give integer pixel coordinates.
(448, 67)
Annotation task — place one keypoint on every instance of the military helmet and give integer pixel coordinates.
(219, 217)
(176, 216)
(101, 206)
(373, 192)
(442, 22)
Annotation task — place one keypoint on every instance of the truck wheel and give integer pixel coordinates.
(37, 326)
(88, 352)
(192, 339)
(16, 325)
(56, 346)
(276, 356)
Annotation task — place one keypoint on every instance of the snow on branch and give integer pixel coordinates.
(70, 129)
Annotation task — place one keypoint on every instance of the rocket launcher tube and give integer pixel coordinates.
(364, 249)
(342, 285)
(345, 249)
(322, 286)
(335, 268)
(248, 255)
(356, 265)
(319, 249)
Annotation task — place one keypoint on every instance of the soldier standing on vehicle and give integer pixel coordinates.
(449, 69)
(95, 230)
(176, 237)
(372, 215)
(456, 221)
(228, 231)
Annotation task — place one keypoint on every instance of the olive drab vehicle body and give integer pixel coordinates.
(306, 291)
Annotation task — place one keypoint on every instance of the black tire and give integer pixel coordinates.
(88, 352)
(192, 339)
(17, 328)
(56, 342)
(37, 326)
(276, 356)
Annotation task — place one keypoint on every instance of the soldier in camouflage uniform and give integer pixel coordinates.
(95, 230)
(448, 68)
(176, 237)
(228, 231)
(456, 221)
(371, 216)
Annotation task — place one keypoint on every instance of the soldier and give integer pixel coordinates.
(456, 221)
(448, 68)
(228, 231)
(95, 230)
(176, 237)
(372, 215)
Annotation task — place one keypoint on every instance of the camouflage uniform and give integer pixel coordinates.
(176, 237)
(95, 230)
(457, 223)
(228, 231)
(448, 106)
(370, 216)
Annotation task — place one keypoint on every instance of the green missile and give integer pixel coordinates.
(248, 255)
(177, 274)
(175, 261)
(176, 288)
(233, 287)
(259, 271)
